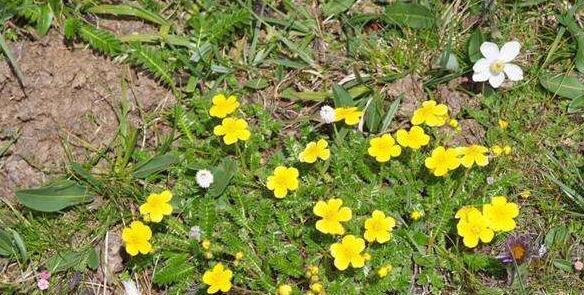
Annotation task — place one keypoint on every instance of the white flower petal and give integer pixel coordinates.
(514, 72)
(482, 64)
(509, 51)
(130, 288)
(481, 76)
(497, 80)
(327, 114)
(490, 50)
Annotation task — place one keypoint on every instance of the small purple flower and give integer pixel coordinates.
(516, 250)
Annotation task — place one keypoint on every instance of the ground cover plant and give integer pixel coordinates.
(319, 147)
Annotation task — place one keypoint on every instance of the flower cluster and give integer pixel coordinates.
(137, 236)
(349, 250)
(232, 129)
(497, 216)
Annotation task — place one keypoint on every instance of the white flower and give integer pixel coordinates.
(195, 233)
(130, 288)
(204, 178)
(496, 64)
(327, 114)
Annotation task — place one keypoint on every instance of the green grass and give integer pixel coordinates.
(278, 237)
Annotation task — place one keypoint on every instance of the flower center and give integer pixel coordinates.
(497, 67)
(518, 252)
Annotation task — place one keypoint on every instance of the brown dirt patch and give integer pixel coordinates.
(71, 102)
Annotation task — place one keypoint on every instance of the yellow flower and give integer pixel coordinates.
(497, 150)
(332, 215)
(525, 194)
(219, 278)
(312, 270)
(232, 130)
(137, 238)
(463, 212)
(157, 206)
(507, 149)
(442, 160)
(239, 255)
(378, 227)
(430, 113)
(351, 115)
(503, 124)
(223, 106)
(316, 287)
(283, 180)
(284, 290)
(206, 244)
(315, 150)
(383, 271)
(473, 228)
(500, 214)
(415, 138)
(453, 123)
(474, 154)
(348, 251)
(383, 148)
(416, 215)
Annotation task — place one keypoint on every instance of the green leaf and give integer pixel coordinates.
(410, 15)
(341, 96)
(222, 176)
(563, 85)
(19, 242)
(373, 114)
(569, 21)
(474, 44)
(100, 40)
(127, 10)
(290, 94)
(92, 259)
(577, 104)
(256, 84)
(334, 7)
(390, 114)
(563, 264)
(45, 19)
(12, 60)
(154, 165)
(6, 244)
(176, 268)
(64, 261)
(54, 197)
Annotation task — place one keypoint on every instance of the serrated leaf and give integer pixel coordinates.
(222, 175)
(154, 165)
(410, 15)
(127, 10)
(474, 44)
(55, 196)
(153, 61)
(563, 85)
(100, 40)
(175, 269)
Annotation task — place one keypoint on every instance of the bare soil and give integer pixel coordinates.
(68, 111)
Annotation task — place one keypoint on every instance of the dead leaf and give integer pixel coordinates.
(412, 88)
(471, 133)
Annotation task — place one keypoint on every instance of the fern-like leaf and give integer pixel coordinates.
(184, 124)
(177, 268)
(153, 61)
(71, 27)
(100, 40)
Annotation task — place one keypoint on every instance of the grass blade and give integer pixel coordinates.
(12, 61)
